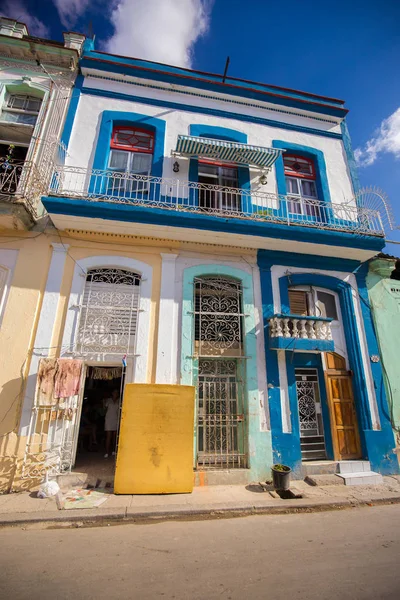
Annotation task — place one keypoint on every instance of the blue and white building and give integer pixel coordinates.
(237, 206)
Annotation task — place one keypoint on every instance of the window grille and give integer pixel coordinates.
(218, 317)
(109, 313)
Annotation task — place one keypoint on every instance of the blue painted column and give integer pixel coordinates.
(285, 445)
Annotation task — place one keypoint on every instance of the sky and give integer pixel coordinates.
(348, 49)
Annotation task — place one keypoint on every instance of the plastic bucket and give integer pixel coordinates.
(281, 478)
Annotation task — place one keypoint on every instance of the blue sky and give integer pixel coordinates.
(346, 49)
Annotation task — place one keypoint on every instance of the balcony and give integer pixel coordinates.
(181, 203)
(300, 333)
(21, 187)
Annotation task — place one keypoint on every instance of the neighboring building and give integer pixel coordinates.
(209, 233)
(383, 283)
(36, 79)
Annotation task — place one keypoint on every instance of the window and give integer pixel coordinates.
(313, 303)
(109, 313)
(301, 185)
(21, 109)
(326, 305)
(225, 176)
(218, 316)
(131, 154)
(298, 302)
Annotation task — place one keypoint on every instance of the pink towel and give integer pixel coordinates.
(68, 378)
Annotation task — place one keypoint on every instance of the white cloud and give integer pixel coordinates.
(385, 140)
(70, 11)
(15, 9)
(159, 30)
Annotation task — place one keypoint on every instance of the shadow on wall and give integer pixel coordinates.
(11, 398)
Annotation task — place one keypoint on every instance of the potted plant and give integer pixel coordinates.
(281, 476)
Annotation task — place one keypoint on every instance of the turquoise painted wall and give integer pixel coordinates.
(259, 442)
(384, 296)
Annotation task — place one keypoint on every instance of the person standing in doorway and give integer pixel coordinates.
(111, 422)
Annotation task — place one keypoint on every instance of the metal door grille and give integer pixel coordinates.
(220, 429)
(109, 313)
(312, 438)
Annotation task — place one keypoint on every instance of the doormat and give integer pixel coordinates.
(82, 498)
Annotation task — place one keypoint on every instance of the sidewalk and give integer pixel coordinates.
(204, 502)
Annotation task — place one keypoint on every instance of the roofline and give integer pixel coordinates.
(243, 91)
(41, 41)
(209, 73)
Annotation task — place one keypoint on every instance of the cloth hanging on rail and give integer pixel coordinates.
(47, 371)
(105, 373)
(68, 378)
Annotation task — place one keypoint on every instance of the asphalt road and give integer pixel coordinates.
(353, 553)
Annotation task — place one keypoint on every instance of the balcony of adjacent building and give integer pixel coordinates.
(19, 176)
(217, 205)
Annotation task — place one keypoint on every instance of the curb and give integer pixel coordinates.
(124, 516)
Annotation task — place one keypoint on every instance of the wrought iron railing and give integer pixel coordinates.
(301, 327)
(178, 195)
(22, 181)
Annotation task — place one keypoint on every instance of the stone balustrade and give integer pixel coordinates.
(306, 328)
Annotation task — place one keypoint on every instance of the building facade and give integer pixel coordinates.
(36, 81)
(207, 233)
(384, 296)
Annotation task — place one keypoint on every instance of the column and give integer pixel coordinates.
(45, 328)
(167, 344)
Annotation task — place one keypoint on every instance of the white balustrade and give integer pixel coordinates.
(295, 327)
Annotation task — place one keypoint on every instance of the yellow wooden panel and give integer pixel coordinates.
(155, 450)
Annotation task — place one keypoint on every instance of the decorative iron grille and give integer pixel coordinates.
(312, 439)
(218, 328)
(218, 317)
(109, 313)
(221, 431)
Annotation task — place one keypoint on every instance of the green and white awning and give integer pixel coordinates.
(198, 147)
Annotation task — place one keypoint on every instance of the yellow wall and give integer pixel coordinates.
(22, 312)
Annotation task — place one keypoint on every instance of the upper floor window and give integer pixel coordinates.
(21, 109)
(301, 185)
(313, 303)
(131, 153)
(131, 150)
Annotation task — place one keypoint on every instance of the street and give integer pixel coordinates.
(349, 554)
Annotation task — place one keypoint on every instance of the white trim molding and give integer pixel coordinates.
(8, 260)
(45, 326)
(167, 323)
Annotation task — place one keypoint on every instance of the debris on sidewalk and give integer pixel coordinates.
(82, 498)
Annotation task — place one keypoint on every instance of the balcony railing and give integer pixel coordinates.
(178, 195)
(22, 181)
(306, 328)
(299, 333)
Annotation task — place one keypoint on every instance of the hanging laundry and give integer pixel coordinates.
(68, 378)
(47, 371)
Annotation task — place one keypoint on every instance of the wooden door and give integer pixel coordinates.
(345, 437)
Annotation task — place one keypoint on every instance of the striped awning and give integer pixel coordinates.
(233, 152)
